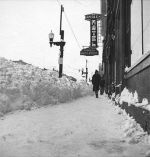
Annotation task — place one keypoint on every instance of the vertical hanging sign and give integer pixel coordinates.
(93, 18)
(93, 37)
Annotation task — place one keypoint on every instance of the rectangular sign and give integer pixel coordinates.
(93, 33)
(89, 52)
(93, 16)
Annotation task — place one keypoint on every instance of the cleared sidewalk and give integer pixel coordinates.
(87, 127)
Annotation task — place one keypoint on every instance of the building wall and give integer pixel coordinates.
(103, 21)
(117, 49)
(136, 29)
(138, 77)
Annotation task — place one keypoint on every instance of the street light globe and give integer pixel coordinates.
(51, 36)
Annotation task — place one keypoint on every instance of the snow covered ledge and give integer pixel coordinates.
(135, 98)
(144, 61)
(139, 111)
(138, 77)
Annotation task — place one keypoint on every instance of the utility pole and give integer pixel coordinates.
(86, 71)
(61, 45)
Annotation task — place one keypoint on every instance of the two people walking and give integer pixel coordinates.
(98, 83)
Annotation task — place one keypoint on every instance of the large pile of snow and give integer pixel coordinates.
(26, 86)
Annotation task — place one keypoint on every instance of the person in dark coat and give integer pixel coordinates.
(96, 82)
(102, 86)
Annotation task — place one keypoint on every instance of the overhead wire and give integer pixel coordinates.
(84, 4)
(58, 2)
(71, 28)
(73, 31)
(88, 6)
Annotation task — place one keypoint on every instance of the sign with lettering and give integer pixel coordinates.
(93, 42)
(93, 16)
(89, 52)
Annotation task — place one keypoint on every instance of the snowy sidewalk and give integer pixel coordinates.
(87, 127)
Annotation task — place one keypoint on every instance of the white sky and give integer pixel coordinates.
(25, 25)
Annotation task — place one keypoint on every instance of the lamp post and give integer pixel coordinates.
(60, 43)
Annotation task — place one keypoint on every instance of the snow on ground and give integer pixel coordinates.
(87, 127)
(133, 132)
(27, 86)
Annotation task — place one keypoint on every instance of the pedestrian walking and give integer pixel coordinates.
(96, 82)
(102, 86)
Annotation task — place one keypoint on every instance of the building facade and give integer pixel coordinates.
(116, 44)
(126, 44)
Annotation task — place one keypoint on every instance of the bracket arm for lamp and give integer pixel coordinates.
(58, 43)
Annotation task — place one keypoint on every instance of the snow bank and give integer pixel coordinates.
(27, 86)
(132, 131)
(130, 98)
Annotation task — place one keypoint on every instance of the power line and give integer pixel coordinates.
(58, 2)
(70, 26)
(75, 35)
(72, 30)
(84, 4)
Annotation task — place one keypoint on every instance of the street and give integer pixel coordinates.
(87, 127)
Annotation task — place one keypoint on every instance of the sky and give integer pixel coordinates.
(25, 25)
